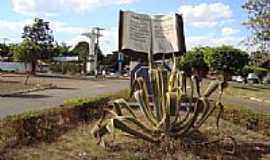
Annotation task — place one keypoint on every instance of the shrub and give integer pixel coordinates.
(65, 68)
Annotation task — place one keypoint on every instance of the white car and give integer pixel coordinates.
(239, 79)
(252, 77)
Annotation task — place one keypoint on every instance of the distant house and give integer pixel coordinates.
(66, 59)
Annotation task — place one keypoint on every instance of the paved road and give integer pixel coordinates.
(70, 88)
(67, 88)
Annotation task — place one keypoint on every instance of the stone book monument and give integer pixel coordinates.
(150, 38)
(141, 34)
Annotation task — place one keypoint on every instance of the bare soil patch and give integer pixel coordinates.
(79, 144)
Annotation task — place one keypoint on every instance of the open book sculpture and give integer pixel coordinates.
(140, 34)
(173, 111)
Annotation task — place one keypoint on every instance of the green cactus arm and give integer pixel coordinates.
(140, 124)
(205, 107)
(172, 75)
(178, 110)
(157, 92)
(196, 81)
(213, 86)
(120, 104)
(123, 127)
(143, 87)
(220, 113)
(141, 100)
(181, 128)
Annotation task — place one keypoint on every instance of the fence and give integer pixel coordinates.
(15, 67)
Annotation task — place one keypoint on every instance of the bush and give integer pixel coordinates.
(193, 61)
(65, 68)
(260, 72)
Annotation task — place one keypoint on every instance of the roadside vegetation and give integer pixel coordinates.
(78, 144)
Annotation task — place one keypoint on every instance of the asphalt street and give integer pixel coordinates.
(66, 89)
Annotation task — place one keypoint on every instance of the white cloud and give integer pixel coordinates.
(205, 14)
(13, 29)
(209, 40)
(62, 32)
(52, 7)
(228, 31)
(58, 26)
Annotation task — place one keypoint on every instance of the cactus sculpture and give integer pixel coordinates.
(171, 112)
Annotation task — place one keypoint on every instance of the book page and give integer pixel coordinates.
(136, 32)
(164, 34)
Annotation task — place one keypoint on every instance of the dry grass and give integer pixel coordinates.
(7, 85)
(79, 144)
(260, 91)
(11, 86)
(249, 90)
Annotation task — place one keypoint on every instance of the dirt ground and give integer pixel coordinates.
(78, 144)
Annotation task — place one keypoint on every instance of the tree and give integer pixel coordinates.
(194, 61)
(82, 50)
(62, 49)
(226, 59)
(259, 22)
(4, 50)
(27, 52)
(40, 34)
(259, 59)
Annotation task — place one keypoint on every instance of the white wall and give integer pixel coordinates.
(15, 66)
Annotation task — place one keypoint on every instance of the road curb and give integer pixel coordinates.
(27, 91)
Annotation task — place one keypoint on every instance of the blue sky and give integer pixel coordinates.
(207, 22)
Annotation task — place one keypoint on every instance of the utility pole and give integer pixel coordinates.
(98, 34)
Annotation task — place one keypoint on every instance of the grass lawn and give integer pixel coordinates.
(78, 144)
(249, 90)
(258, 91)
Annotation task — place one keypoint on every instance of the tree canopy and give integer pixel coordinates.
(227, 59)
(192, 61)
(259, 22)
(62, 49)
(26, 52)
(4, 50)
(40, 34)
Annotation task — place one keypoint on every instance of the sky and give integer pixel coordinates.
(207, 22)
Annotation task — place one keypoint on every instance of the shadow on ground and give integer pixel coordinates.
(1, 81)
(33, 96)
(63, 88)
(253, 88)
